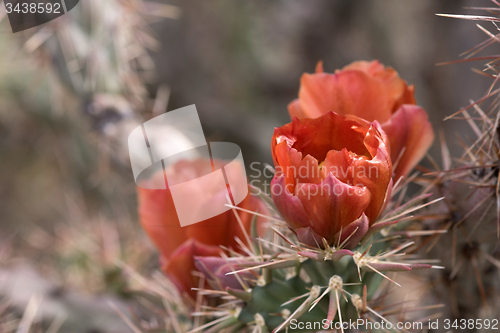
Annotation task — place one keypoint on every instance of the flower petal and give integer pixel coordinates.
(288, 205)
(215, 269)
(375, 173)
(294, 168)
(159, 218)
(398, 90)
(337, 255)
(316, 137)
(309, 237)
(408, 128)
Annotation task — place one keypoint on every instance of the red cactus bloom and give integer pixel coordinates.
(333, 174)
(372, 92)
(215, 269)
(178, 245)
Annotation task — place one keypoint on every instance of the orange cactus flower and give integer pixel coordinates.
(333, 177)
(215, 270)
(372, 92)
(179, 245)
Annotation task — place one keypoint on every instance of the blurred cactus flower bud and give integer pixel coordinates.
(179, 245)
